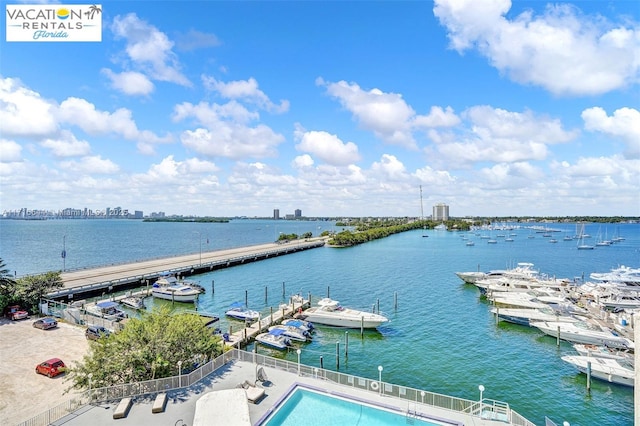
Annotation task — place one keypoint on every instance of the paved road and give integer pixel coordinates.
(138, 271)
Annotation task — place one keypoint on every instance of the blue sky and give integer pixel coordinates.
(495, 108)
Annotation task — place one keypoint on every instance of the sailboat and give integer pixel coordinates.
(581, 243)
(424, 227)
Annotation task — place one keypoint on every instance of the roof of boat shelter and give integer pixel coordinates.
(181, 405)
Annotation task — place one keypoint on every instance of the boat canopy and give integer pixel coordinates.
(277, 331)
(106, 305)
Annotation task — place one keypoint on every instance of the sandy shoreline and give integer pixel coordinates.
(26, 394)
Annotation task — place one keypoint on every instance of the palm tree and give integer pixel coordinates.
(93, 9)
(7, 283)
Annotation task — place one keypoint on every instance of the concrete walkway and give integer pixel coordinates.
(181, 405)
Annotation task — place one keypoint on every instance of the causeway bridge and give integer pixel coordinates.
(106, 279)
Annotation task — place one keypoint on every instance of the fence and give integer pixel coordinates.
(495, 410)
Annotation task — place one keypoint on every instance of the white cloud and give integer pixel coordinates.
(193, 39)
(211, 114)
(84, 114)
(149, 49)
(624, 123)
(500, 136)
(302, 161)
(66, 145)
(23, 112)
(386, 114)
(327, 147)
(91, 165)
(437, 117)
(129, 82)
(514, 175)
(246, 90)
(10, 151)
(390, 168)
(226, 133)
(561, 50)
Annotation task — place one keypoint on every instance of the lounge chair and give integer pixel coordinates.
(254, 393)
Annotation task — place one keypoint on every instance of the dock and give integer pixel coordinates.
(109, 278)
(242, 337)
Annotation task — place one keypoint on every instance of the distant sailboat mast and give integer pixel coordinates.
(424, 227)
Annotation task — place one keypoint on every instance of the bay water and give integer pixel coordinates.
(441, 338)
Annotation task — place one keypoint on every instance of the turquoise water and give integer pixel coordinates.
(441, 338)
(302, 408)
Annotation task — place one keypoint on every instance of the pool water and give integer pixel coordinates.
(312, 408)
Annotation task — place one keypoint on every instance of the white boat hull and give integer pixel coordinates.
(570, 333)
(365, 320)
(174, 296)
(606, 369)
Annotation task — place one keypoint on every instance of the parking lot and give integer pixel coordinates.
(24, 393)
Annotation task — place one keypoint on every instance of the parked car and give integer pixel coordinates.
(45, 323)
(51, 367)
(15, 312)
(94, 332)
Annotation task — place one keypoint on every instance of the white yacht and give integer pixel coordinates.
(522, 270)
(525, 316)
(275, 339)
(106, 309)
(176, 293)
(293, 333)
(608, 369)
(330, 312)
(240, 312)
(583, 332)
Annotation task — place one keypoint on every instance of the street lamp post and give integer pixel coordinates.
(380, 379)
(180, 374)
(298, 351)
(481, 389)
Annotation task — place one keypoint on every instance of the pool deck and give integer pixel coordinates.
(181, 405)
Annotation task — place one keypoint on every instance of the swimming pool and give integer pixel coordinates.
(311, 408)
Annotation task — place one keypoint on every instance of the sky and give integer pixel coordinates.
(210, 108)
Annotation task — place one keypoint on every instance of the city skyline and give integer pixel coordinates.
(219, 109)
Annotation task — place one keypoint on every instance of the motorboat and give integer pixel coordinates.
(610, 370)
(524, 316)
(176, 293)
(330, 312)
(106, 309)
(522, 270)
(241, 312)
(133, 302)
(303, 325)
(583, 332)
(167, 279)
(275, 339)
(600, 351)
(293, 333)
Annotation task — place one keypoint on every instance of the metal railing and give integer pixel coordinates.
(488, 409)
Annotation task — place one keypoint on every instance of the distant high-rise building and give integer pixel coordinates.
(298, 213)
(276, 214)
(441, 212)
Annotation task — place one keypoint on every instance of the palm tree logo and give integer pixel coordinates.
(93, 9)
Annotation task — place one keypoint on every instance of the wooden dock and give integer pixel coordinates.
(245, 335)
(109, 278)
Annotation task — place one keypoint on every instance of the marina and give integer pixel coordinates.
(442, 336)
